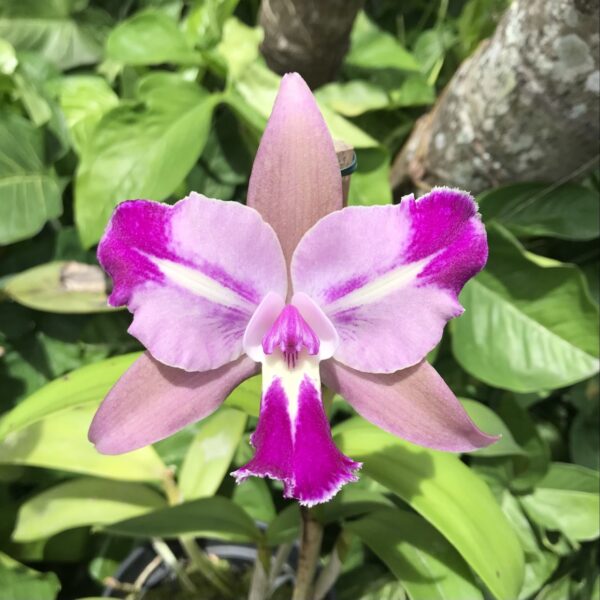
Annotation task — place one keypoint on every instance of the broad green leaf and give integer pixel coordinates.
(49, 28)
(353, 98)
(150, 38)
(539, 563)
(529, 322)
(567, 499)
(446, 493)
(84, 99)
(373, 48)
(246, 396)
(426, 564)
(8, 58)
(29, 193)
(213, 517)
(350, 501)
(60, 442)
(18, 582)
(285, 527)
(254, 497)
(569, 211)
(487, 420)
(206, 19)
(141, 151)
(239, 49)
(210, 453)
(370, 183)
(60, 287)
(87, 385)
(81, 502)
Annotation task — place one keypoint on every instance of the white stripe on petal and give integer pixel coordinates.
(381, 286)
(200, 284)
(274, 366)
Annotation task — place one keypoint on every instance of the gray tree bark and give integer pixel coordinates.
(525, 106)
(310, 37)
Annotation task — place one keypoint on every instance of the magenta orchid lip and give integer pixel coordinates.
(301, 288)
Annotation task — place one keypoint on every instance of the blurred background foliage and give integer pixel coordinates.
(104, 100)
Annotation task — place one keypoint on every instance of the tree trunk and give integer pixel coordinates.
(310, 37)
(525, 106)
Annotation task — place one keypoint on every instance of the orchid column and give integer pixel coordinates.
(299, 287)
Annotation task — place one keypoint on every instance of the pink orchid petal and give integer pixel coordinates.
(192, 274)
(293, 440)
(296, 178)
(388, 277)
(260, 323)
(414, 404)
(321, 325)
(152, 401)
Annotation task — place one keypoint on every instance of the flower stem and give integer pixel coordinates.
(310, 549)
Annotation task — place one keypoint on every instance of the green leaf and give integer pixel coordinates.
(539, 563)
(372, 48)
(350, 501)
(285, 527)
(213, 517)
(86, 385)
(567, 499)
(353, 98)
(141, 151)
(60, 442)
(18, 582)
(254, 497)
(569, 211)
(84, 99)
(48, 28)
(370, 183)
(29, 193)
(8, 58)
(246, 396)
(487, 420)
(426, 564)
(60, 287)
(150, 38)
(446, 493)
(206, 19)
(529, 322)
(81, 502)
(210, 453)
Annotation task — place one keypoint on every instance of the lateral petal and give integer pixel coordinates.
(414, 404)
(192, 274)
(152, 401)
(296, 178)
(388, 277)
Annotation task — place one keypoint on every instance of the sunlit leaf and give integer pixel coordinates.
(426, 564)
(213, 517)
(29, 192)
(448, 494)
(210, 453)
(529, 322)
(80, 502)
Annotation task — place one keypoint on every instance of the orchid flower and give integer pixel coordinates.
(305, 290)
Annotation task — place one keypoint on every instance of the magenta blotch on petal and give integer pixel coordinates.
(152, 401)
(388, 277)
(293, 440)
(414, 404)
(296, 177)
(192, 274)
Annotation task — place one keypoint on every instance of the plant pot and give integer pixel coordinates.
(146, 570)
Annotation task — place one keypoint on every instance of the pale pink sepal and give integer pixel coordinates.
(296, 178)
(414, 404)
(152, 401)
